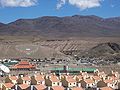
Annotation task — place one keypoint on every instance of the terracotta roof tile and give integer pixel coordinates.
(113, 78)
(108, 81)
(89, 81)
(13, 77)
(40, 87)
(39, 77)
(106, 88)
(54, 79)
(26, 78)
(23, 65)
(96, 77)
(70, 80)
(8, 85)
(77, 88)
(57, 88)
(23, 86)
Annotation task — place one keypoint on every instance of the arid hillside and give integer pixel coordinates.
(63, 27)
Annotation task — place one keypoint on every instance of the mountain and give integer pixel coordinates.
(69, 26)
(104, 50)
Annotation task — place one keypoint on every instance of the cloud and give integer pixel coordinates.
(82, 4)
(60, 4)
(17, 3)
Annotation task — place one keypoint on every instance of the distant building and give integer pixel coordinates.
(66, 69)
(23, 65)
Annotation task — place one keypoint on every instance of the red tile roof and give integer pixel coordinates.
(106, 88)
(23, 65)
(26, 78)
(8, 85)
(23, 86)
(70, 79)
(77, 88)
(13, 78)
(89, 81)
(57, 88)
(39, 77)
(108, 81)
(96, 78)
(40, 87)
(54, 79)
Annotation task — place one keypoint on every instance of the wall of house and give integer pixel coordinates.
(48, 82)
(64, 83)
(20, 81)
(33, 81)
(101, 84)
(83, 84)
(7, 80)
(71, 84)
(55, 83)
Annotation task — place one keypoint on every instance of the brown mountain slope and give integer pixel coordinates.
(72, 26)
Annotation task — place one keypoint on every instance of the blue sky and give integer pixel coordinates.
(11, 10)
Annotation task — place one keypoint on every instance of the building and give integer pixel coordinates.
(38, 79)
(68, 81)
(23, 65)
(11, 79)
(66, 69)
(52, 80)
(86, 83)
(24, 80)
(7, 86)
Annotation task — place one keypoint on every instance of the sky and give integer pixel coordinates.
(11, 10)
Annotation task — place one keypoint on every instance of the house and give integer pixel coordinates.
(106, 83)
(37, 79)
(52, 80)
(69, 81)
(100, 74)
(23, 87)
(113, 78)
(57, 88)
(106, 88)
(24, 80)
(84, 75)
(116, 74)
(11, 79)
(39, 87)
(79, 78)
(7, 86)
(96, 79)
(87, 83)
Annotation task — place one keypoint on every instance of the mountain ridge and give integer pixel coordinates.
(68, 26)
